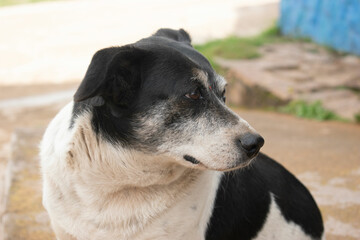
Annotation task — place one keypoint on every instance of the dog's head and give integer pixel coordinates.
(162, 97)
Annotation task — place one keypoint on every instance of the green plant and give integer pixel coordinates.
(16, 2)
(234, 47)
(357, 118)
(313, 110)
(352, 89)
(238, 48)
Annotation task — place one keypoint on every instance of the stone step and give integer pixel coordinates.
(303, 71)
(25, 218)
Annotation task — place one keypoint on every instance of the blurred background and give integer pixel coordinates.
(293, 70)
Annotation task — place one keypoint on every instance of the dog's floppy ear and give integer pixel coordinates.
(178, 35)
(112, 74)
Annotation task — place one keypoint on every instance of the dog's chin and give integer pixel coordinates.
(195, 163)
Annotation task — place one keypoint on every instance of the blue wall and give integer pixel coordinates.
(334, 23)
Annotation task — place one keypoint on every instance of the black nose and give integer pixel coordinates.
(251, 143)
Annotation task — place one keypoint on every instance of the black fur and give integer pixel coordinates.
(191, 159)
(132, 79)
(243, 201)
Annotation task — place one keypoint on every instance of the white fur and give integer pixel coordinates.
(221, 82)
(202, 77)
(95, 190)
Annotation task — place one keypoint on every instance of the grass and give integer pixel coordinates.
(17, 2)
(234, 47)
(357, 118)
(355, 90)
(334, 51)
(313, 110)
(240, 48)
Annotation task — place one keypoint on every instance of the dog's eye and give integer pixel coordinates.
(223, 96)
(196, 95)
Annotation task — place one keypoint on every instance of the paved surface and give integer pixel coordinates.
(293, 71)
(25, 216)
(324, 155)
(54, 41)
(10, 120)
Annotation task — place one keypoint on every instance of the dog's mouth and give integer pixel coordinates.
(191, 159)
(200, 165)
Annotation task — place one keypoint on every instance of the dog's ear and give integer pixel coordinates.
(112, 74)
(178, 35)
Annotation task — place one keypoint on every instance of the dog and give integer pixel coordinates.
(148, 149)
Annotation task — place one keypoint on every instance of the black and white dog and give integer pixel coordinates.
(145, 151)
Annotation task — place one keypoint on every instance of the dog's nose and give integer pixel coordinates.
(251, 143)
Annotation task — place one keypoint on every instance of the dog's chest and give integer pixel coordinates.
(155, 217)
(187, 219)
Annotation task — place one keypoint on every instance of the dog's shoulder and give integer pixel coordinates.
(241, 206)
(248, 198)
(293, 199)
